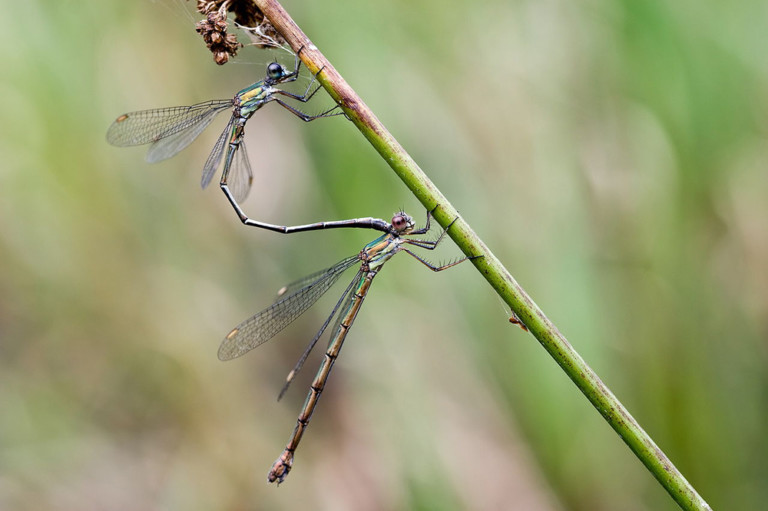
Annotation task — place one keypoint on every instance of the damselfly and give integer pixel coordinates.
(294, 299)
(170, 130)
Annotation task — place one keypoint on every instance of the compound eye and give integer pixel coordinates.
(399, 222)
(274, 70)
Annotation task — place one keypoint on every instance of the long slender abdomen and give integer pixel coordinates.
(283, 464)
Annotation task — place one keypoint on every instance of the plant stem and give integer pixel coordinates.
(489, 266)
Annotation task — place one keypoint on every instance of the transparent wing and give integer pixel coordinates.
(345, 299)
(241, 175)
(261, 327)
(291, 288)
(143, 127)
(214, 159)
(172, 144)
(345, 307)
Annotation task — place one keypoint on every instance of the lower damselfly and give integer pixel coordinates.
(295, 298)
(170, 130)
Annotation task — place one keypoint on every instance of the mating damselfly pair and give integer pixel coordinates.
(170, 130)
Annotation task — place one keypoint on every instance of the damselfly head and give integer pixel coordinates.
(402, 222)
(275, 72)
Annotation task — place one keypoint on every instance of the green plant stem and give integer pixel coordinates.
(489, 266)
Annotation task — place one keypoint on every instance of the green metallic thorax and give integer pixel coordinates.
(379, 251)
(252, 98)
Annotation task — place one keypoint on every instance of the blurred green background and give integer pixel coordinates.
(612, 154)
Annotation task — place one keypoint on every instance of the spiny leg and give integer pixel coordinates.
(428, 245)
(294, 76)
(438, 268)
(296, 65)
(299, 97)
(426, 228)
(303, 97)
(301, 115)
(431, 245)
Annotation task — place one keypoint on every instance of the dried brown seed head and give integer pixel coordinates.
(213, 29)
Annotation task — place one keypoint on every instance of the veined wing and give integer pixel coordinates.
(291, 288)
(240, 175)
(345, 306)
(214, 159)
(344, 302)
(145, 126)
(170, 145)
(261, 327)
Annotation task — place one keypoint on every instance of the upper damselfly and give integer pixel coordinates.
(170, 130)
(294, 299)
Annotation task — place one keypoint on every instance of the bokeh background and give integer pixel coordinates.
(612, 154)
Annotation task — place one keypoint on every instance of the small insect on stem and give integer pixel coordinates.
(515, 320)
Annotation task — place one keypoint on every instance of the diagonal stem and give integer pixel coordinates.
(489, 266)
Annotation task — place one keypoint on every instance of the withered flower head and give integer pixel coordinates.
(213, 29)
